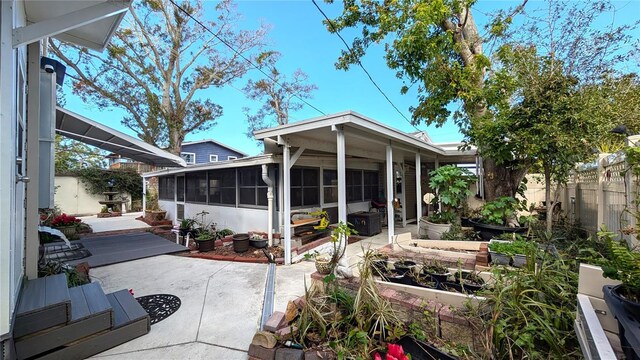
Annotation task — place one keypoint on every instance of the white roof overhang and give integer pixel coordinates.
(237, 163)
(86, 23)
(80, 128)
(365, 137)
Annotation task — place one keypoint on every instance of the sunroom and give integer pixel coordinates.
(338, 163)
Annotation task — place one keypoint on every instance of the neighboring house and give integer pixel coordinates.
(206, 151)
(117, 161)
(30, 118)
(338, 163)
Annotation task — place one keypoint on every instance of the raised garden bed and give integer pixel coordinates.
(224, 251)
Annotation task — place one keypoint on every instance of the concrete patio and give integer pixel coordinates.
(125, 222)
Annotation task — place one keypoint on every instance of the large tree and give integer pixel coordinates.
(438, 46)
(73, 155)
(158, 64)
(279, 95)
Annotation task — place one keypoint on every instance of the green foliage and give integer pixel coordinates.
(520, 247)
(124, 180)
(353, 325)
(72, 155)
(500, 210)
(622, 263)
(522, 104)
(74, 277)
(451, 185)
(530, 313)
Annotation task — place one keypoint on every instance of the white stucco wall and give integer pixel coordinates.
(236, 219)
(72, 197)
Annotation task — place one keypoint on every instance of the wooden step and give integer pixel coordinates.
(130, 322)
(90, 314)
(44, 303)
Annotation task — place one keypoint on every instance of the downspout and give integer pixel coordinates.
(267, 180)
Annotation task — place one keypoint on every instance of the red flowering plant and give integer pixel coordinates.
(394, 352)
(65, 220)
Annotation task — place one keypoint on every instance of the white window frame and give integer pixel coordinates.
(231, 157)
(188, 153)
(213, 158)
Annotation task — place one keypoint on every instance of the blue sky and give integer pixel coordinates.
(298, 33)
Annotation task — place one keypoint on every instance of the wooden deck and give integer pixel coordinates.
(113, 249)
(56, 322)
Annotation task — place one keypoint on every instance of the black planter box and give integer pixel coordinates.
(365, 223)
(422, 351)
(628, 327)
(490, 231)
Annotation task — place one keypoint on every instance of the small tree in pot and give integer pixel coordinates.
(451, 185)
(499, 217)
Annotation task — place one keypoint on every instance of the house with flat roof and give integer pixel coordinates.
(338, 163)
(208, 150)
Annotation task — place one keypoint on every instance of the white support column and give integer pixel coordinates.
(144, 195)
(390, 193)
(403, 198)
(32, 241)
(436, 165)
(342, 191)
(342, 175)
(418, 187)
(286, 195)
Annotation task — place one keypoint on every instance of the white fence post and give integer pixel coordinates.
(600, 194)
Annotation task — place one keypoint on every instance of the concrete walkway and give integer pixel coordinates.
(125, 222)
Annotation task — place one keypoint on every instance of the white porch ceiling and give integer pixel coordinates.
(87, 23)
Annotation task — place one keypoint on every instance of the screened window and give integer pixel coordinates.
(252, 190)
(305, 187)
(166, 188)
(213, 158)
(371, 185)
(180, 188)
(354, 185)
(222, 187)
(231, 157)
(330, 186)
(196, 187)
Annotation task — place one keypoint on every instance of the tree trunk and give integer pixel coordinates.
(500, 180)
(547, 197)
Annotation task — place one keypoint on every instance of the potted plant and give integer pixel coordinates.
(623, 264)
(153, 212)
(502, 251)
(323, 263)
(436, 270)
(470, 281)
(67, 224)
(379, 264)
(496, 216)
(403, 266)
(258, 241)
(451, 185)
(423, 280)
(206, 240)
(185, 226)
